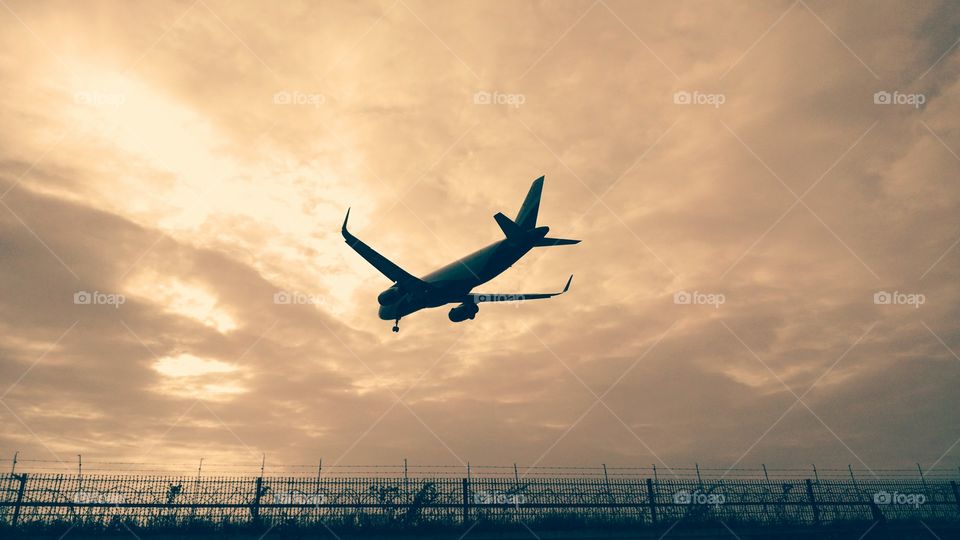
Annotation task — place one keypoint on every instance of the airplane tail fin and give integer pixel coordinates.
(527, 217)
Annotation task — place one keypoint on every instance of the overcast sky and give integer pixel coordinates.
(193, 159)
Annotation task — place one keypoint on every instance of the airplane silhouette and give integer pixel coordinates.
(452, 283)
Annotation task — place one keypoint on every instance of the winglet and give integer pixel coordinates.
(378, 261)
(567, 286)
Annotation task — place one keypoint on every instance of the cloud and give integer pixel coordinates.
(149, 156)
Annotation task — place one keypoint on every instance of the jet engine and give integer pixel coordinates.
(389, 296)
(463, 312)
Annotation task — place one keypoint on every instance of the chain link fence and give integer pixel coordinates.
(176, 500)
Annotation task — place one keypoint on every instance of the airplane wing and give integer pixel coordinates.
(513, 297)
(381, 263)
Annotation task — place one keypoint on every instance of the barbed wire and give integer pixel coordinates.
(205, 468)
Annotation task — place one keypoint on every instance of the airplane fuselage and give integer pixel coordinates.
(453, 282)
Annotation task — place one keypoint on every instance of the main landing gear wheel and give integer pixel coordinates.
(396, 325)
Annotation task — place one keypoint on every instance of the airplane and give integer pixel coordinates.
(452, 283)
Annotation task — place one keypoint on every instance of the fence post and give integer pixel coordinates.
(23, 484)
(956, 493)
(255, 508)
(652, 496)
(813, 502)
(196, 492)
(766, 490)
(466, 501)
(606, 481)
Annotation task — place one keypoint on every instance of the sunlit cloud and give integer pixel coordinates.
(186, 375)
(182, 298)
(188, 365)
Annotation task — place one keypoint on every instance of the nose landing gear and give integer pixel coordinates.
(396, 325)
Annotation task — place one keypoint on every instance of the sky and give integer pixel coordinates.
(767, 194)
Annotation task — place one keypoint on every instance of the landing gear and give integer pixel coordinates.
(396, 325)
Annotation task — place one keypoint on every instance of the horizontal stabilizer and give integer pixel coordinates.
(509, 228)
(546, 241)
